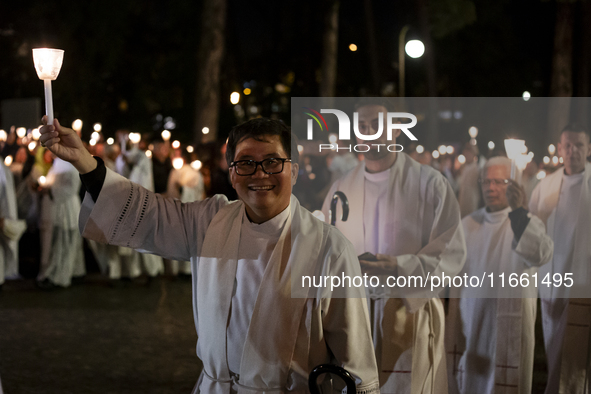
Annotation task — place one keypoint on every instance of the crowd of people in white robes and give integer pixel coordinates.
(41, 194)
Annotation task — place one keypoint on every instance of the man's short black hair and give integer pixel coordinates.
(381, 101)
(576, 128)
(256, 129)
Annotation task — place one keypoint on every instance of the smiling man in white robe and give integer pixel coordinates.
(490, 341)
(253, 335)
(407, 215)
(563, 201)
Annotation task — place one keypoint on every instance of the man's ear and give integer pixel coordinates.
(232, 177)
(295, 169)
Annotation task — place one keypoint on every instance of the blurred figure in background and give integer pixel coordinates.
(107, 256)
(161, 165)
(529, 178)
(215, 171)
(10, 227)
(61, 250)
(185, 183)
(469, 192)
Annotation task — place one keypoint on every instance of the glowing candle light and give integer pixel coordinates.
(177, 163)
(514, 149)
(196, 165)
(21, 132)
(48, 63)
(135, 137)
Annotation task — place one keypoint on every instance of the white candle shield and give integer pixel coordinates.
(48, 63)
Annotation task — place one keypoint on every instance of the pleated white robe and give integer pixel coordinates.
(287, 337)
(418, 222)
(490, 341)
(566, 312)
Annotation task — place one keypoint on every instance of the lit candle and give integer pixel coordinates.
(177, 163)
(48, 63)
(196, 165)
(514, 148)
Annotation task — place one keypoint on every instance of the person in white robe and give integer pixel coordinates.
(253, 335)
(63, 257)
(529, 178)
(124, 262)
(185, 184)
(490, 341)
(11, 228)
(469, 193)
(407, 215)
(563, 201)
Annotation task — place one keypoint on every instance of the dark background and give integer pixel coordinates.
(128, 61)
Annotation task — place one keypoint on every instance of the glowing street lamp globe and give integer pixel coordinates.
(414, 48)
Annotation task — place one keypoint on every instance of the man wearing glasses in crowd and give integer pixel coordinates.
(253, 335)
(490, 341)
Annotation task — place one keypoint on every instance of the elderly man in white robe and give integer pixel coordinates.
(253, 335)
(408, 216)
(563, 201)
(490, 341)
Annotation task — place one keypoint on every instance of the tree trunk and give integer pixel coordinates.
(432, 131)
(211, 50)
(328, 68)
(583, 82)
(373, 48)
(561, 84)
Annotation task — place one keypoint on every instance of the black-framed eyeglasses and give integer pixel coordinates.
(496, 182)
(273, 165)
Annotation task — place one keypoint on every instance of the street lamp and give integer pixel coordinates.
(414, 49)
